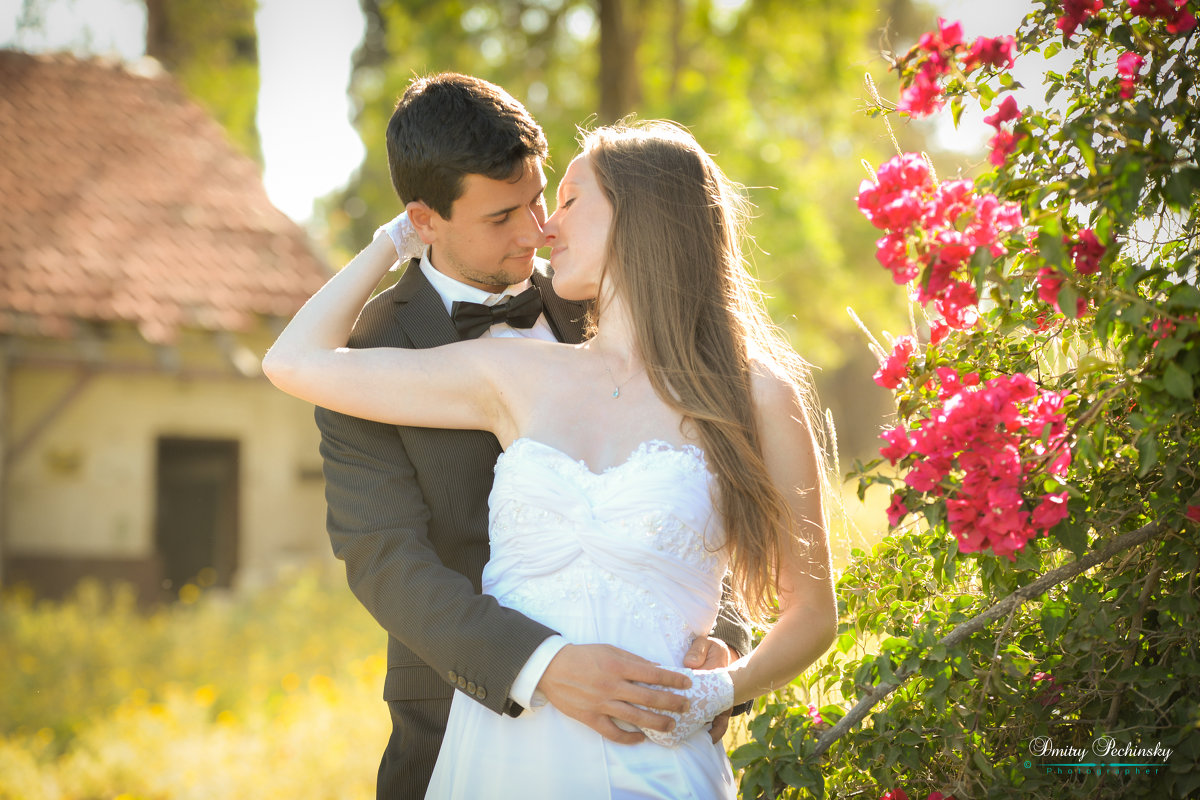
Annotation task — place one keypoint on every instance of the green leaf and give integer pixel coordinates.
(1068, 298)
(986, 95)
(831, 713)
(1181, 188)
(1053, 620)
(1178, 383)
(1147, 449)
(1050, 244)
(1073, 536)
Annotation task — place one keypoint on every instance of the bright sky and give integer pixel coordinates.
(309, 147)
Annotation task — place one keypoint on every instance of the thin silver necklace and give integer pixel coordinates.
(616, 392)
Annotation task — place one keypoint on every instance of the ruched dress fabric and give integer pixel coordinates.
(632, 557)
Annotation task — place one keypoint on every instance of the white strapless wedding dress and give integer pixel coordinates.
(630, 557)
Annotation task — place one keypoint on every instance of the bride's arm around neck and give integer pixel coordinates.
(807, 623)
(463, 385)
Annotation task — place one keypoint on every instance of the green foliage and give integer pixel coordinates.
(1112, 652)
(211, 47)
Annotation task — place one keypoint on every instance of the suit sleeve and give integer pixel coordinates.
(377, 522)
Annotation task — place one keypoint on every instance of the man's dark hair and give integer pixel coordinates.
(448, 126)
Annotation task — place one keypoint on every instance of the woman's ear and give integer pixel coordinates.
(424, 219)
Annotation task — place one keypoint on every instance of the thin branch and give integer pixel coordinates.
(1052, 578)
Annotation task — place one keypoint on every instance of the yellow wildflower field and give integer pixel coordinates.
(273, 693)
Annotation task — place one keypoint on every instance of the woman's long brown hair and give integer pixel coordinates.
(700, 326)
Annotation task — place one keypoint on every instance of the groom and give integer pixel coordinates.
(408, 506)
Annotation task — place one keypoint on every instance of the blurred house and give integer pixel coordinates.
(143, 273)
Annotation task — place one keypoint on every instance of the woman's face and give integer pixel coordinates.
(577, 232)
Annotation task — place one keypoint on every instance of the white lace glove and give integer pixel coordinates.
(404, 238)
(710, 695)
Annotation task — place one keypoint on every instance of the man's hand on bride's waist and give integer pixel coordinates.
(603, 686)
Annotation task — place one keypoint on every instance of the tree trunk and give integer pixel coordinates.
(619, 35)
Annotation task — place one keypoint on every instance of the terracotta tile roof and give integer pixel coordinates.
(122, 201)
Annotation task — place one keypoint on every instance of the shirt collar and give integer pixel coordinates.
(452, 291)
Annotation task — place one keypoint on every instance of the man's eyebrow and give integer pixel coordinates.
(503, 211)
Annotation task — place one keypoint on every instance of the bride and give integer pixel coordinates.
(641, 467)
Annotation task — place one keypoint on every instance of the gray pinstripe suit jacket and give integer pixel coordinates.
(408, 516)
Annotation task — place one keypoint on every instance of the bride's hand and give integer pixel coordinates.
(404, 236)
(710, 695)
(709, 653)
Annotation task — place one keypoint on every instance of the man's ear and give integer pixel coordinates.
(424, 219)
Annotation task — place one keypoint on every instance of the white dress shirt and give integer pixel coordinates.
(524, 689)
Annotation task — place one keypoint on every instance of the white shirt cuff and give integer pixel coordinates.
(524, 689)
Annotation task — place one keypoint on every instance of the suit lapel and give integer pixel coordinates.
(420, 310)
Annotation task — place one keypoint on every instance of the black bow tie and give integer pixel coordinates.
(519, 311)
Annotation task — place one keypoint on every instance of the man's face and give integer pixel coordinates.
(495, 227)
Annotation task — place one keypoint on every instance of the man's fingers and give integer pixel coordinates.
(720, 725)
(654, 699)
(608, 729)
(641, 717)
(647, 672)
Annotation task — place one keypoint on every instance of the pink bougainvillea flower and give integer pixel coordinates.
(984, 451)
(946, 37)
(959, 306)
(1183, 22)
(1178, 18)
(1049, 283)
(1051, 511)
(1002, 146)
(1075, 13)
(1128, 65)
(922, 98)
(1086, 251)
(995, 52)
(899, 445)
(895, 367)
(1193, 513)
(1005, 141)
(815, 715)
(896, 511)
(938, 330)
(1050, 692)
(892, 252)
(894, 794)
(1006, 111)
(933, 232)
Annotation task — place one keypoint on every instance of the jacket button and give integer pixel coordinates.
(470, 687)
(462, 682)
(452, 675)
(481, 694)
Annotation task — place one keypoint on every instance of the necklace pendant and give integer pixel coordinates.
(617, 392)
